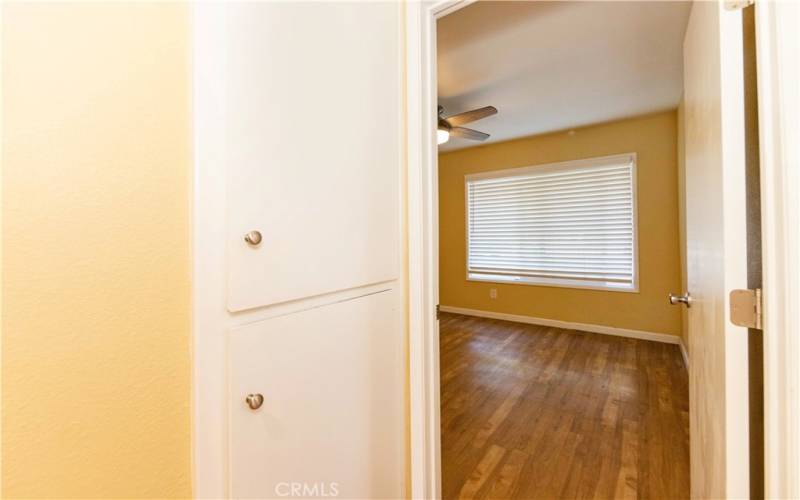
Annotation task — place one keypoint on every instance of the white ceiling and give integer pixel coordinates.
(550, 66)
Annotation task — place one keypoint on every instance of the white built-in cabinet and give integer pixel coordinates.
(298, 111)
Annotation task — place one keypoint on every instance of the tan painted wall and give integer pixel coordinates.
(96, 251)
(654, 139)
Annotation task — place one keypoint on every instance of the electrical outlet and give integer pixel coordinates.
(493, 293)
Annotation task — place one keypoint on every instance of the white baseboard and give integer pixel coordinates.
(684, 353)
(605, 330)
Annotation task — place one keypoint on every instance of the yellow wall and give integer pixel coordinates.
(654, 139)
(96, 251)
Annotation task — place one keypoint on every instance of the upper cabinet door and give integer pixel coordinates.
(312, 148)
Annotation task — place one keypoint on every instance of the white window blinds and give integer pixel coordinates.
(564, 224)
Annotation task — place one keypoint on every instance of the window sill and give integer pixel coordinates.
(553, 282)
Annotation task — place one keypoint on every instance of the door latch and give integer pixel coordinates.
(746, 308)
(681, 299)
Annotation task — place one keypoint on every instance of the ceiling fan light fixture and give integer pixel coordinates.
(451, 126)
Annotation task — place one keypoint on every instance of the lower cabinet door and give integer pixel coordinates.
(325, 414)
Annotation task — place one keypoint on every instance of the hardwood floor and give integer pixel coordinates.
(538, 412)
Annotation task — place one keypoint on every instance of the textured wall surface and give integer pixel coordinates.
(96, 251)
(654, 139)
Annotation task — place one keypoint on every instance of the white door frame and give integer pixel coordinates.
(778, 50)
(210, 318)
(423, 243)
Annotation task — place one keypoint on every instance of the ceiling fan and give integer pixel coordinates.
(450, 126)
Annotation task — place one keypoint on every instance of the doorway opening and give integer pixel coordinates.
(562, 362)
(517, 228)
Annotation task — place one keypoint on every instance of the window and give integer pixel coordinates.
(569, 224)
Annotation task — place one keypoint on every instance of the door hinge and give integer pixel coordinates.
(746, 308)
(738, 4)
(438, 312)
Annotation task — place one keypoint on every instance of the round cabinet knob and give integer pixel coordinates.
(254, 401)
(253, 238)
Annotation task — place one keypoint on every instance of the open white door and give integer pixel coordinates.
(716, 250)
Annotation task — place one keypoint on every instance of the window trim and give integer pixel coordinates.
(550, 167)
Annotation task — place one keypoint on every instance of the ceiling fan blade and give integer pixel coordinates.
(471, 116)
(468, 133)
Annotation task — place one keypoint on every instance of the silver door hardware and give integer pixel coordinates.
(253, 238)
(254, 401)
(681, 299)
(746, 308)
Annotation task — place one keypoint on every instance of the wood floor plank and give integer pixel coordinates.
(498, 416)
(537, 412)
(481, 473)
(627, 478)
(509, 475)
